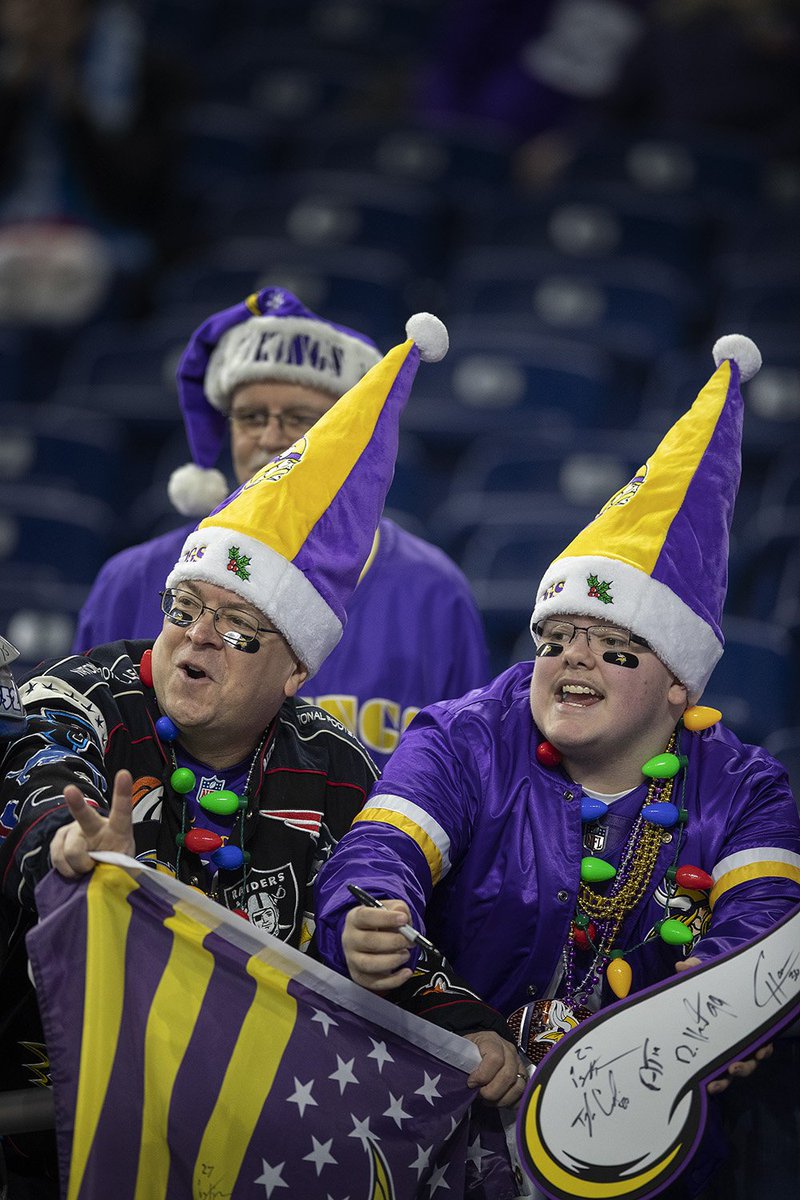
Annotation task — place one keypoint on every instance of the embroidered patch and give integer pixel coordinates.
(209, 783)
(553, 590)
(599, 589)
(270, 898)
(238, 563)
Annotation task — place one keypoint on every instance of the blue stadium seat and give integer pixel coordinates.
(510, 383)
(464, 160)
(11, 366)
(706, 165)
(753, 685)
(503, 478)
(504, 559)
(65, 447)
(370, 292)
(38, 618)
(597, 222)
(638, 308)
(338, 209)
(52, 533)
(764, 576)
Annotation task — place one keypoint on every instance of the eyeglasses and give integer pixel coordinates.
(236, 628)
(599, 637)
(293, 423)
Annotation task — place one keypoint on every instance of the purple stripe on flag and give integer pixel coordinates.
(57, 952)
(228, 997)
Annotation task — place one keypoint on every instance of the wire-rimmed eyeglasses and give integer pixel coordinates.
(236, 628)
(601, 638)
(294, 422)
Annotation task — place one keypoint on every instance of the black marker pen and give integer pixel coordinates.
(408, 931)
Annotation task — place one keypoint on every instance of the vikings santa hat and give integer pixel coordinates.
(269, 336)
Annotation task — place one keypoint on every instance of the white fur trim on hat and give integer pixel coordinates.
(683, 641)
(290, 349)
(430, 335)
(275, 586)
(195, 491)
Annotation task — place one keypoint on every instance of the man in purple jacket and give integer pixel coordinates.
(414, 634)
(580, 826)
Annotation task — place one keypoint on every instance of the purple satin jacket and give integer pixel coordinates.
(413, 635)
(485, 845)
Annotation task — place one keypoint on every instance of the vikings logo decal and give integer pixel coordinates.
(626, 494)
(281, 464)
(684, 905)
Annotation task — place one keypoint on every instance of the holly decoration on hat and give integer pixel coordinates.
(238, 563)
(599, 589)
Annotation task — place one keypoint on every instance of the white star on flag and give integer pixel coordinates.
(380, 1054)
(362, 1130)
(428, 1089)
(320, 1154)
(476, 1152)
(270, 1177)
(420, 1163)
(437, 1180)
(324, 1020)
(395, 1110)
(343, 1073)
(301, 1096)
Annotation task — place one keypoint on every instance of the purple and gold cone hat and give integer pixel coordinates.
(655, 558)
(294, 539)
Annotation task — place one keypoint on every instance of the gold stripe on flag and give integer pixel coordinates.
(107, 921)
(250, 1074)
(181, 990)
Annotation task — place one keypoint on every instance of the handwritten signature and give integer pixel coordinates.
(703, 1012)
(207, 1188)
(771, 985)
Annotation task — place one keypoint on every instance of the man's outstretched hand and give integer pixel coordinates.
(90, 830)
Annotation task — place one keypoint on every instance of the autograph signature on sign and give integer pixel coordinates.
(618, 1106)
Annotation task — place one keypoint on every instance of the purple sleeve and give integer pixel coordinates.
(427, 782)
(759, 858)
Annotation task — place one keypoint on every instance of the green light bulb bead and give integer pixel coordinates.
(223, 803)
(596, 870)
(182, 780)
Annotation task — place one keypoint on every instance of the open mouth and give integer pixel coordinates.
(578, 695)
(193, 672)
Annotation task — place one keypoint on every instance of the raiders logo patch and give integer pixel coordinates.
(271, 900)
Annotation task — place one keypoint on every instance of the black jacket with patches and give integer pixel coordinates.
(91, 716)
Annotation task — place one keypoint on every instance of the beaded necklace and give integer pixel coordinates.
(224, 802)
(598, 918)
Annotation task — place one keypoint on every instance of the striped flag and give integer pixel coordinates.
(194, 1056)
